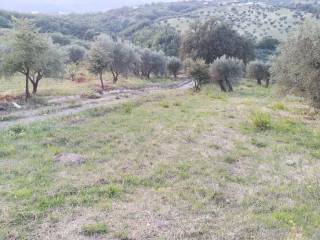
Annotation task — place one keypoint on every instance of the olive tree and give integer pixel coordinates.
(297, 68)
(114, 56)
(199, 72)
(31, 54)
(259, 71)
(99, 57)
(152, 62)
(226, 71)
(122, 57)
(174, 65)
(76, 54)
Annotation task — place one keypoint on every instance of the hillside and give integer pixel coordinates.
(253, 19)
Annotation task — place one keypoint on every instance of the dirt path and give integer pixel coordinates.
(74, 104)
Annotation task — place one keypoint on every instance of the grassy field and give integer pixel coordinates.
(173, 165)
(65, 87)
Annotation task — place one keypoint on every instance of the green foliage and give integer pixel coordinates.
(297, 67)
(174, 65)
(199, 71)
(261, 121)
(225, 71)
(152, 62)
(279, 106)
(213, 39)
(76, 54)
(268, 43)
(31, 54)
(59, 38)
(258, 71)
(160, 38)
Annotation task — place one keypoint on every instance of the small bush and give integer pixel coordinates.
(94, 229)
(261, 121)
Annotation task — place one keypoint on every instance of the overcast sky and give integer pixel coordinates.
(55, 6)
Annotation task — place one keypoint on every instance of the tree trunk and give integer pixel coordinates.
(197, 86)
(35, 82)
(115, 76)
(34, 87)
(101, 81)
(229, 85)
(222, 87)
(27, 85)
(259, 81)
(267, 82)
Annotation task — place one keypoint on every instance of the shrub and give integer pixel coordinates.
(174, 65)
(200, 73)
(94, 229)
(226, 71)
(261, 121)
(297, 68)
(259, 71)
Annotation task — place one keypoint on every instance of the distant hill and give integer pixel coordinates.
(255, 19)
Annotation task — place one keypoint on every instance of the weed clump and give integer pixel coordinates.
(128, 108)
(261, 121)
(94, 229)
(279, 106)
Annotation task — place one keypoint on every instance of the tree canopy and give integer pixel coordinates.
(213, 39)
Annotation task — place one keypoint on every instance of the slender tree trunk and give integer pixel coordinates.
(115, 76)
(229, 85)
(35, 87)
(27, 85)
(222, 87)
(197, 86)
(35, 82)
(101, 80)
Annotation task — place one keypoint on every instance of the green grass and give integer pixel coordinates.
(64, 87)
(261, 121)
(173, 159)
(94, 229)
